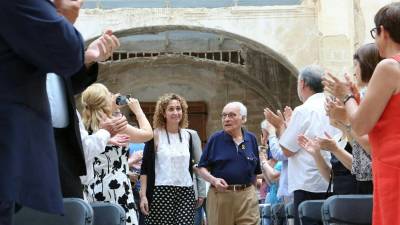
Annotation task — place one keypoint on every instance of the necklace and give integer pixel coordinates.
(179, 132)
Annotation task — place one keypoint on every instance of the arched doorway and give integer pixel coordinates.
(204, 65)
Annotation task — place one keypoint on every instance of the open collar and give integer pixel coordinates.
(228, 137)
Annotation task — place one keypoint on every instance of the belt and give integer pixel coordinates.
(238, 187)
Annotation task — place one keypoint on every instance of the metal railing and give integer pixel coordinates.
(221, 56)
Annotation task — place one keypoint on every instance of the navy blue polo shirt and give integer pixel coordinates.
(235, 164)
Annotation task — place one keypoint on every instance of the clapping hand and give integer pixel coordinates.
(337, 87)
(69, 9)
(287, 113)
(328, 143)
(336, 110)
(277, 120)
(311, 146)
(119, 140)
(102, 48)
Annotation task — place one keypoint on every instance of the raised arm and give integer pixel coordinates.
(383, 84)
(144, 132)
(40, 36)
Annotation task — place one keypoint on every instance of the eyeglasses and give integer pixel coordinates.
(229, 115)
(374, 32)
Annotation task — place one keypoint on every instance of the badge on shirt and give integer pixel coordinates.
(243, 147)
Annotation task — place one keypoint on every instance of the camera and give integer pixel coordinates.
(122, 99)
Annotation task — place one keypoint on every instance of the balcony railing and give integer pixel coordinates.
(221, 56)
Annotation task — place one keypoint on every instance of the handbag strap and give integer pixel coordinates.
(328, 191)
(191, 160)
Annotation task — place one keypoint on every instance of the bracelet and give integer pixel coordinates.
(347, 98)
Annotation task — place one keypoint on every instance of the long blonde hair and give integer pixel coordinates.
(159, 120)
(96, 103)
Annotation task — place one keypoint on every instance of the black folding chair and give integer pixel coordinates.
(76, 212)
(278, 214)
(289, 213)
(347, 209)
(265, 212)
(310, 212)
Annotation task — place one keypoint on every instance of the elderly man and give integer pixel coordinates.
(309, 119)
(230, 163)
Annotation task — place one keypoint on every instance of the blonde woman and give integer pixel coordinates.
(167, 194)
(110, 182)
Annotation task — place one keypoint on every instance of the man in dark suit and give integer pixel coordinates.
(61, 93)
(34, 40)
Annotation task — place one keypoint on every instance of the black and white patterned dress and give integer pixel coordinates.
(111, 182)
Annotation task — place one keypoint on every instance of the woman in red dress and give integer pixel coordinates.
(379, 114)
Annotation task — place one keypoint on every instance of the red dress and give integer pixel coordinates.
(385, 142)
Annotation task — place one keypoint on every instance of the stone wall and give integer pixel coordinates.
(276, 40)
(196, 80)
(317, 31)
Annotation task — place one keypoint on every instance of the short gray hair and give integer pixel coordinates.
(312, 77)
(242, 107)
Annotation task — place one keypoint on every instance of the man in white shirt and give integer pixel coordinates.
(309, 119)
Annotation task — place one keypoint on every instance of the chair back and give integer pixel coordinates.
(278, 214)
(289, 213)
(348, 209)
(76, 212)
(265, 211)
(106, 213)
(310, 212)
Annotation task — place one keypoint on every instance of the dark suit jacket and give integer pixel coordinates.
(68, 140)
(34, 40)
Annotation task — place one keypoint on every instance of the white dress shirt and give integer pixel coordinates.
(311, 120)
(58, 100)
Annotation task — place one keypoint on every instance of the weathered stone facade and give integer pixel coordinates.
(199, 80)
(273, 41)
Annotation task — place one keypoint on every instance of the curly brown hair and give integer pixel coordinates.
(159, 120)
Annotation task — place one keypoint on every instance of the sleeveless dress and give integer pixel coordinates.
(385, 142)
(111, 182)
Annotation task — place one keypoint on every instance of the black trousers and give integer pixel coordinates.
(71, 185)
(6, 212)
(301, 196)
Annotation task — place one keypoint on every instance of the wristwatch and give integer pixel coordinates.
(348, 97)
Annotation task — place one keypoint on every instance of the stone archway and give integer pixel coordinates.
(264, 79)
